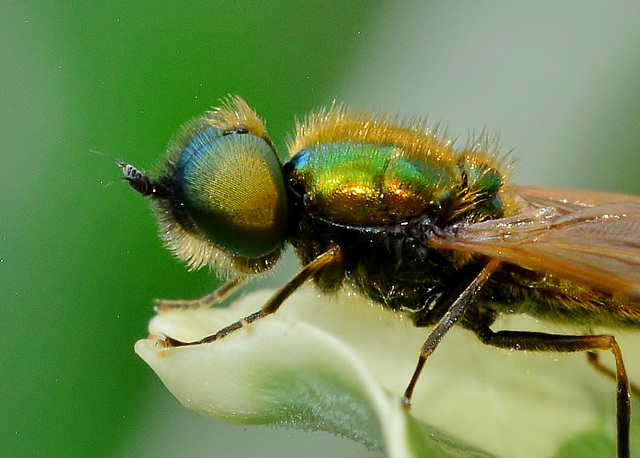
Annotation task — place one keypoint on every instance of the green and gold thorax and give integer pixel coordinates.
(361, 169)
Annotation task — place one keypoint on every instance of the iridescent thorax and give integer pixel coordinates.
(362, 171)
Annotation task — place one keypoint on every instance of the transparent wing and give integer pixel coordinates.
(569, 199)
(592, 239)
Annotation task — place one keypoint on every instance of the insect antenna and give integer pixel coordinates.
(141, 182)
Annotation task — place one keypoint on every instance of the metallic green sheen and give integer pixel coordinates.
(368, 185)
(484, 181)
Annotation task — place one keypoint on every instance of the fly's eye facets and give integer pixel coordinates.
(233, 190)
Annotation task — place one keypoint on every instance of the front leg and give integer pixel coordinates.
(331, 256)
(221, 293)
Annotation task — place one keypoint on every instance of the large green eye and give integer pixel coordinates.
(233, 190)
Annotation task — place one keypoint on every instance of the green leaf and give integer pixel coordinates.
(341, 364)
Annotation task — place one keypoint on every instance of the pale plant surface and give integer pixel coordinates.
(341, 364)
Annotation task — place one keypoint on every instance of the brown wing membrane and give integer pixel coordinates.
(569, 198)
(597, 245)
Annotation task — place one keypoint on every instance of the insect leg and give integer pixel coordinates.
(538, 341)
(594, 360)
(446, 322)
(220, 293)
(332, 255)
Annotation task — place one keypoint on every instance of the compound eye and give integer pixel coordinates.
(233, 190)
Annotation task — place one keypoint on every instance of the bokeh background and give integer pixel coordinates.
(80, 262)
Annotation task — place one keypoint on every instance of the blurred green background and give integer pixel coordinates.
(80, 262)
